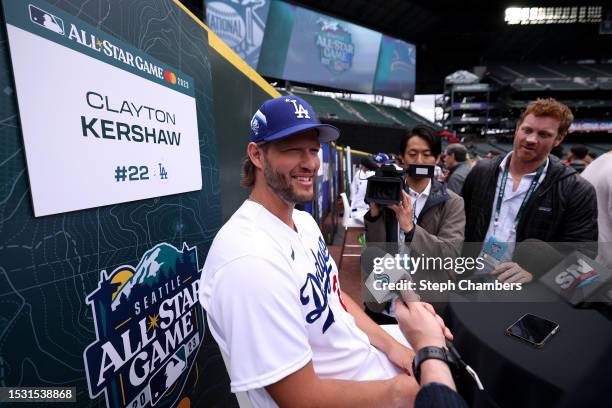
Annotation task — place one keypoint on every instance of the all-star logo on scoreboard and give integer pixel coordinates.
(149, 326)
(335, 44)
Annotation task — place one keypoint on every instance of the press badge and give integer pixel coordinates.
(493, 253)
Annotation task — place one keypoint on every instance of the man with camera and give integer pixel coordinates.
(427, 218)
(273, 299)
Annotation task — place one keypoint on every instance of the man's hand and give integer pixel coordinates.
(509, 272)
(420, 326)
(445, 330)
(424, 328)
(404, 212)
(445, 174)
(401, 356)
(374, 210)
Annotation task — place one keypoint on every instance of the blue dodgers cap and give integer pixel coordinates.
(285, 116)
(382, 158)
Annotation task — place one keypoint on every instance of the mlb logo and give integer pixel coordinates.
(47, 20)
(167, 375)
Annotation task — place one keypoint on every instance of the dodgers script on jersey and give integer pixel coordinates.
(273, 301)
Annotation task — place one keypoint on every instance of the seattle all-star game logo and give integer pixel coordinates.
(335, 44)
(149, 327)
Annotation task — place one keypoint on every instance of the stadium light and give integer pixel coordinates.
(552, 15)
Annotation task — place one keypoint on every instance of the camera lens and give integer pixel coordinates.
(384, 190)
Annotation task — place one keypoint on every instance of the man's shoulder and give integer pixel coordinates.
(460, 173)
(480, 174)
(251, 232)
(454, 198)
(303, 216)
(578, 186)
(243, 234)
(487, 165)
(245, 222)
(598, 172)
(464, 169)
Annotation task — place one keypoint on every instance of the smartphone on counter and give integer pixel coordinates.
(533, 329)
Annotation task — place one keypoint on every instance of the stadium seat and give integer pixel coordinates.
(369, 112)
(327, 107)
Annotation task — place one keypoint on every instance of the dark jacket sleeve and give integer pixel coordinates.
(374, 227)
(466, 193)
(581, 213)
(435, 395)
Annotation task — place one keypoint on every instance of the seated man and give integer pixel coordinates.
(272, 295)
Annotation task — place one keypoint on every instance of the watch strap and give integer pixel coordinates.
(432, 352)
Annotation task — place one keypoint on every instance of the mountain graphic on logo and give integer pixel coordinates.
(159, 263)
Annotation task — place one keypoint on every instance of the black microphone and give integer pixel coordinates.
(536, 257)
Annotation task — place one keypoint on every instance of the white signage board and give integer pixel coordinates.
(103, 122)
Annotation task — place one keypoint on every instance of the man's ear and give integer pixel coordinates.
(558, 140)
(255, 153)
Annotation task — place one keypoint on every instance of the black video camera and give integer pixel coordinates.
(386, 186)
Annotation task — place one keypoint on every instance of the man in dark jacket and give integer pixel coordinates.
(529, 194)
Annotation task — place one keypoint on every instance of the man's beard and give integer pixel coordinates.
(282, 186)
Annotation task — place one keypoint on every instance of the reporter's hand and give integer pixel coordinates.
(445, 330)
(404, 212)
(509, 272)
(419, 325)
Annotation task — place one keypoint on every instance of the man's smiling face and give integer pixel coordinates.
(290, 166)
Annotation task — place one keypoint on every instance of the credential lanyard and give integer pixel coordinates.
(502, 190)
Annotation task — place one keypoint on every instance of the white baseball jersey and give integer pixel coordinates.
(273, 302)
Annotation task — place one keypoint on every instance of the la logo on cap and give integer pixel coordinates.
(300, 111)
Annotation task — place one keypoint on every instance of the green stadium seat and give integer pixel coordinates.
(406, 117)
(358, 111)
(400, 115)
(369, 112)
(327, 107)
(421, 120)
